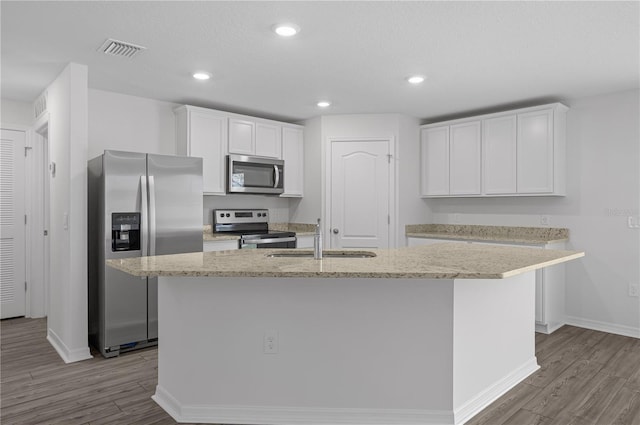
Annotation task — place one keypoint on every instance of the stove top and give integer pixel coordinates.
(248, 223)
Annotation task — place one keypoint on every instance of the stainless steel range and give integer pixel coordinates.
(253, 228)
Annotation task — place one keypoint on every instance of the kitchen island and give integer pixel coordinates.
(421, 335)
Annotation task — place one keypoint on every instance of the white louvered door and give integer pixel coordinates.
(12, 225)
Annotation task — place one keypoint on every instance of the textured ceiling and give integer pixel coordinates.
(476, 55)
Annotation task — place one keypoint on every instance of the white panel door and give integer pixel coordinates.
(499, 154)
(12, 225)
(434, 164)
(360, 194)
(535, 152)
(464, 162)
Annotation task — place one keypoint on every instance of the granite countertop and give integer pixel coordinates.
(438, 261)
(521, 235)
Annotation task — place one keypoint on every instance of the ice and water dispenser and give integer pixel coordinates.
(125, 231)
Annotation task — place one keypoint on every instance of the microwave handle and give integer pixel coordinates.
(276, 172)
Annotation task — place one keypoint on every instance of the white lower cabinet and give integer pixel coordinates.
(304, 241)
(549, 284)
(223, 245)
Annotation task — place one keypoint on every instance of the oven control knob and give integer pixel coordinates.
(221, 214)
(228, 215)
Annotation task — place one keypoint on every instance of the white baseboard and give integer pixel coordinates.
(491, 394)
(548, 328)
(611, 328)
(67, 355)
(282, 415)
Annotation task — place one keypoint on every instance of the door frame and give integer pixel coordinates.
(393, 200)
(38, 245)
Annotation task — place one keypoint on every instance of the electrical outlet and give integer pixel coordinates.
(545, 220)
(270, 342)
(634, 290)
(456, 218)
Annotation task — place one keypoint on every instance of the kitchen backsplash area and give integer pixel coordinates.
(278, 207)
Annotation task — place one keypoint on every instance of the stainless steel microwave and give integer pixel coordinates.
(250, 174)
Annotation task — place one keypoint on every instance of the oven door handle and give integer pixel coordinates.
(265, 241)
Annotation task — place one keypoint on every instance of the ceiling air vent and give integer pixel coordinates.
(120, 48)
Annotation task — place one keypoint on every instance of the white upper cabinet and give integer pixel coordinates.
(203, 133)
(212, 134)
(451, 159)
(269, 140)
(499, 155)
(512, 153)
(434, 153)
(293, 156)
(242, 136)
(255, 138)
(535, 152)
(464, 159)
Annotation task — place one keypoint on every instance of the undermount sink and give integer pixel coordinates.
(325, 254)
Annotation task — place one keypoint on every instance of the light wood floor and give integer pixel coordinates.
(587, 378)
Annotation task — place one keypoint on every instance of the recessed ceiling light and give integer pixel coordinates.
(416, 79)
(323, 104)
(201, 75)
(286, 30)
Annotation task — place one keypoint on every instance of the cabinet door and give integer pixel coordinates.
(435, 161)
(535, 152)
(268, 140)
(241, 137)
(208, 246)
(464, 162)
(208, 137)
(293, 156)
(304, 242)
(499, 155)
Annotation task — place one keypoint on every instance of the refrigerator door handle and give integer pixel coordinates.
(152, 216)
(144, 226)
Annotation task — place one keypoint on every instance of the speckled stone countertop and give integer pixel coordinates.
(300, 229)
(439, 261)
(523, 235)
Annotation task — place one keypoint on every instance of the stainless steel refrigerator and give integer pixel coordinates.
(139, 204)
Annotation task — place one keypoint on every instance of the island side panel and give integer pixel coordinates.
(349, 350)
(494, 339)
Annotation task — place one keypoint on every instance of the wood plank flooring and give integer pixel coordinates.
(587, 378)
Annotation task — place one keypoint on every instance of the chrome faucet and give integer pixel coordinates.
(317, 243)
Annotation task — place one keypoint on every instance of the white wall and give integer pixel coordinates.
(412, 208)
(16, 113)
(404, 130)
(603, 190)
(278, 207)
(68, 144)
(130, 123)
